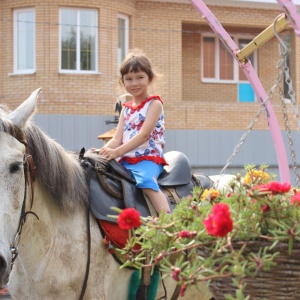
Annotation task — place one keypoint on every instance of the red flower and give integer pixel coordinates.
(183, 289)
(296, 198)
(129, 218)
(278, 188)
(219, 223)
(261, 187)
(265, 208)
(160, 256)
(187, 234)
(175, 271)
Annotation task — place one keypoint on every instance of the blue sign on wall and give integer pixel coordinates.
(246, 92)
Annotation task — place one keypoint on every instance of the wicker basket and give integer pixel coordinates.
(282, 282)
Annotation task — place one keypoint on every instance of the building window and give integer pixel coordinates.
(24, 41)
(209, 57)
(78, 40)
(226, 63)
(123, 37)
(218, 64)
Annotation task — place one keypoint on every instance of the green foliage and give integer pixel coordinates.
(183, 249)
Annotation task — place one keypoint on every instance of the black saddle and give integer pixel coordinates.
(111, 185)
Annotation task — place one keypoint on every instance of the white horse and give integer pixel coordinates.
(47, 224)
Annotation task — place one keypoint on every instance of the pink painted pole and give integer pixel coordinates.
(291, 12)
(256, 84)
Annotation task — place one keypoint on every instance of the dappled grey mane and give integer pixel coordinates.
(57, 170)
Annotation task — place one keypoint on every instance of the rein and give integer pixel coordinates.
(87, 270)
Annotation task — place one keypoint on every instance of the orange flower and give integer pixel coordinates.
(210, 194)
(256, 176)
(129, 218)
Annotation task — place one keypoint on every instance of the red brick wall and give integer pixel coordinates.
(169, 34)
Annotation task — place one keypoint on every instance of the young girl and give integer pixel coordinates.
(139, 139)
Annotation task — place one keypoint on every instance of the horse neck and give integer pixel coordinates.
(53, 228)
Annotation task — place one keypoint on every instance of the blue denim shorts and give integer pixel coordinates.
(145, 173)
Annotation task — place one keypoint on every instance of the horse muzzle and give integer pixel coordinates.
(4, 270)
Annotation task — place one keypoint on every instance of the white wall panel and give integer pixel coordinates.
(208, 151)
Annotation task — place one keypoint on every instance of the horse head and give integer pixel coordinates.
(12, 179)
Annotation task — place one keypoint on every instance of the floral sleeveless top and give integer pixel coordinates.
(134, 118)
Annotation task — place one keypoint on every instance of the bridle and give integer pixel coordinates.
(29, 176)
(29, 179)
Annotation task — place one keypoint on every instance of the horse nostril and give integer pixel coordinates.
(3, 268)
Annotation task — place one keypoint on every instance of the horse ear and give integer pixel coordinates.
(22, 114)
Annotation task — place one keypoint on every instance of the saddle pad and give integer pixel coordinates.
(116, 235)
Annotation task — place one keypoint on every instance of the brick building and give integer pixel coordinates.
(72, 50)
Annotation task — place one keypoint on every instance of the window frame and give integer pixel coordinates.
(236, 68)
(16, 70)
(126, 32)
(78, 71)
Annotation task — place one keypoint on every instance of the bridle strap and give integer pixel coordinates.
(31, 174)
(29, 178)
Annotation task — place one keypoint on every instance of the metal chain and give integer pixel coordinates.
(284, 51)
(283, 68)
(244, 136)
(252, 123)
(263, 105)
(292, 94)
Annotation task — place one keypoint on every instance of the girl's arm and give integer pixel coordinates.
(153, 114)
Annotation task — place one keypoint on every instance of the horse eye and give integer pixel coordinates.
(15, 167)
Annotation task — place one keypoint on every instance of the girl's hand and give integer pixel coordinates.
(3, 291)
(108, 153)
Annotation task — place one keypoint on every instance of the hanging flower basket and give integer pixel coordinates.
(244, 241)
(280, 282)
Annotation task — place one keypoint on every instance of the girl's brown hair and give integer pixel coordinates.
(136, 61)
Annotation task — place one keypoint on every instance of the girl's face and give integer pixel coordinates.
(137, 84)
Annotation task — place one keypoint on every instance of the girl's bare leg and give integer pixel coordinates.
(158, 200)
